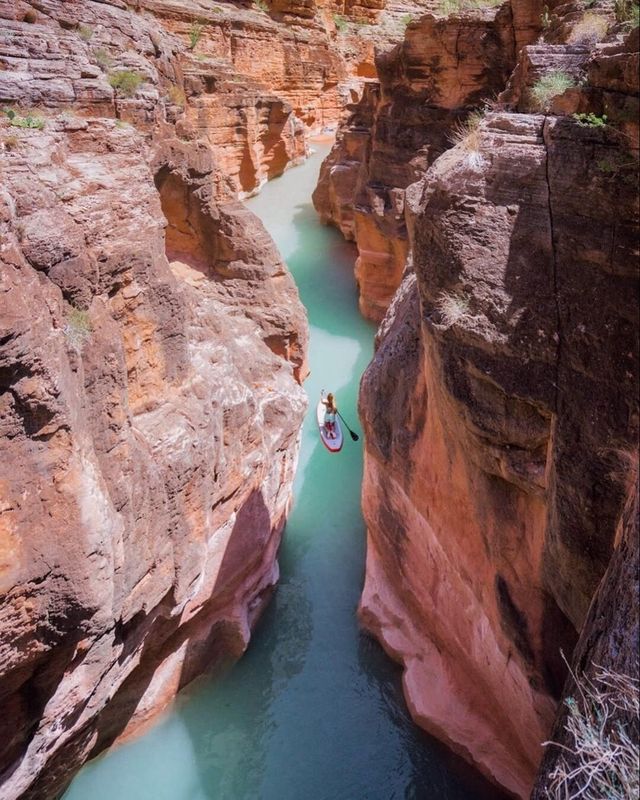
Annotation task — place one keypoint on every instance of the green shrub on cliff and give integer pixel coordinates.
(628, 11)
(591, 120)
(125, 82)
(549, 86)
(85, 32)
(29, 120)
(102, 58)
(195, 34)
(448, 7)
(340, 22)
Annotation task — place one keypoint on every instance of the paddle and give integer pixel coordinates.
(354, 436)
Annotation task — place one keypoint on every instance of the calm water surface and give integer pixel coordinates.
(314, 710)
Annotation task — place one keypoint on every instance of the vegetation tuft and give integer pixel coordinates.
(602, 758)
(590, 29)
(549, 86)
(177, 96)
(30, 120)
(125, 82)
(591, 120)
(85, 32)
(78, 327)
(195, 34)
(102, 58)
(340, 22)
(628, 12)
(448, 7)
(452, 309)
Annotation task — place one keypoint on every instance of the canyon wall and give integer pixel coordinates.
(152, 347)
(502, 397)
(428, 84)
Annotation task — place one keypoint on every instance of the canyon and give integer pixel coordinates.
(499, 410)
(153, 349)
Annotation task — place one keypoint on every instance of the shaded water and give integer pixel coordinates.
(314, 710)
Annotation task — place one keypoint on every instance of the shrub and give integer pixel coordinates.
(549, 86)
(28, 121)
(10, 143)
(628, 11)
(591, 119)
(448, 7)
(602, 758)
(177, 96)
(467, 136)
(262, 5)
(407, 19)
(590, 29)
(102, 58)
(340, 22)
(125, 81)
(85, 32)
(78, 327)
(30, 17)
(195, 34)
(452, 309)
(545, 18)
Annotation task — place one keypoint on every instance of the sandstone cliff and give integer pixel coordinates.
(445, 67)
(504, 384)
(152, 346)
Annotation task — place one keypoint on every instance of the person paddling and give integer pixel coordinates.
(331, 409)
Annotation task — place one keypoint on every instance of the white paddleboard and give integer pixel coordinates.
(333, 445)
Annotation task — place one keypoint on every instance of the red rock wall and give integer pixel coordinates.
(428, 83)
(495, 409)
(152, 345)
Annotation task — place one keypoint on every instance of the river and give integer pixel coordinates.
(314, 709)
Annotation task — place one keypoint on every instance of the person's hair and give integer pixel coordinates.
(331, 405)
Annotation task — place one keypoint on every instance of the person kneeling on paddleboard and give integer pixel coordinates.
(330, 415)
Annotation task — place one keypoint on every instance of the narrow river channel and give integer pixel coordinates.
(314, 710)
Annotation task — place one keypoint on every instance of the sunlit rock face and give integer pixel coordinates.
(427, 86)
(152, 346)
(498, 410)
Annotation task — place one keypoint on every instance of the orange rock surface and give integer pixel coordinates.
(492, 488)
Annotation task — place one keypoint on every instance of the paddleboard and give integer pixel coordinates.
(332, 445)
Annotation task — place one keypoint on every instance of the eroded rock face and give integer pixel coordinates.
(495, 410)
(151, 351)
(428, 84)
(150, 420)
(610, 640)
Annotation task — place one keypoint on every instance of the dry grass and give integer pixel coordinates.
(78, 328)
(467, 136)
(177, 96)
(549, 86)
(602, 762)
(452, 309)
(590, 29)
(448, 7)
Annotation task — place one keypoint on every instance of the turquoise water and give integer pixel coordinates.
(314, 710)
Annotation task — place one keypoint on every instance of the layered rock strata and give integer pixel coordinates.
(152, 346)
(496, 407)
(427, 86)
